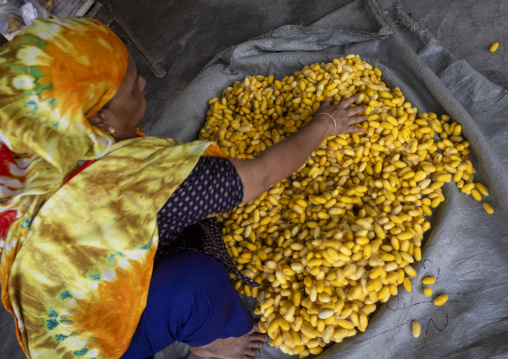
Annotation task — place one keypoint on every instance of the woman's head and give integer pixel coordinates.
(123, 113)
(54, 76)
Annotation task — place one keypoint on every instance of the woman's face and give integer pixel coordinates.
(126, 109)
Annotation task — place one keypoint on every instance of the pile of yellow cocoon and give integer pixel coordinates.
(343, 232)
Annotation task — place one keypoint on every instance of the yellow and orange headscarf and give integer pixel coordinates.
(76, 259)
(55, 74)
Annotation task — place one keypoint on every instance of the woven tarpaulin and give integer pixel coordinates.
(466, 248)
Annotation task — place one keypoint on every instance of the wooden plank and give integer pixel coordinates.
(133, 39)
(94, 11)
(64, 8)
(85, 7)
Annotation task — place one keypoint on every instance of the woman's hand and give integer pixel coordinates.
(344, 117)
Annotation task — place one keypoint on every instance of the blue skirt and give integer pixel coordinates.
(190, 300)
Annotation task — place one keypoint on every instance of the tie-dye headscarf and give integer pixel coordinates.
(76, 258)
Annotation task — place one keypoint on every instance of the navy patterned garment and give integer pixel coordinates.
(213, 186)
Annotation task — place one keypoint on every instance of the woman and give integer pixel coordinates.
(86, 202)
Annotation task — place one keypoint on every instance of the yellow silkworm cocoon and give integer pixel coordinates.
(377, 273)
(429, 280)
(407, 284)
(441, 299)
(327, 334)
(346, 324)
(309, 330)
(296, 326)
(494, 46)
(488, 208)
(373, 284)
(368, 309)
(268, 303)
(316, 351)
(313, 294)
(427, 291)
(467, 188)
(284, 325)
(476, 194)
(482, 189)
(417, 253)
(405, 235)
(273, 327)
(415, 329)
(325, 313)
(383, 292)
(410, 271)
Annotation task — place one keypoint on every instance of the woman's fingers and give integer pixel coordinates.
(251, 352)
(256, 345)
(325, 106)
(258, 337)
(255, 328)
(355, 110)
(357, 119)
(351, 129)
(326, 102)
(343, 105)
(347, 102)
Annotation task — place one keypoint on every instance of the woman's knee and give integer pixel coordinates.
(201, 304)
(188, 272)
(191, 300)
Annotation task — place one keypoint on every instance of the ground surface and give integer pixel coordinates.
(184, 36)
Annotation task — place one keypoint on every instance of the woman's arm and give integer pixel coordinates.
(285, 157)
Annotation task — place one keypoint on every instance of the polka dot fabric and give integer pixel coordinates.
(213, 186)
